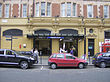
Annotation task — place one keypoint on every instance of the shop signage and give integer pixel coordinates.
(55, 37)
(107, 40)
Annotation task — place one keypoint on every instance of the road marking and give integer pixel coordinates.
(42, 68)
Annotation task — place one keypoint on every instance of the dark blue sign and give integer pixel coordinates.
(55, 37)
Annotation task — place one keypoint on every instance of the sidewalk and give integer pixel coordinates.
(43, 60)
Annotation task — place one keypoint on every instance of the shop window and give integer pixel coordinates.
(13, 32)
(107, 34)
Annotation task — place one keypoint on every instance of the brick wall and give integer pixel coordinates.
(78, 10)
(101, 11)
(55, 9)
(95, 11)
(85, 11)
(15, 10)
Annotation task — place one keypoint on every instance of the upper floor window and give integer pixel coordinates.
(48, 9)
(37, 9)
(106, 11)
(7, 10)
(24, 10)
(45, 9)
(74, 9)
(42, 8)
(68, 9)
(0, 10)
(63, 9)
(90, 11)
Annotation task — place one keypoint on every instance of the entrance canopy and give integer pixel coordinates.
(55, 36)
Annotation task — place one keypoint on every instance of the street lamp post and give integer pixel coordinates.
(84, 36)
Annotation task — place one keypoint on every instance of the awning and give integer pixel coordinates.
(55, 36)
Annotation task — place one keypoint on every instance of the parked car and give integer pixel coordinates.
(65, 60)
(26, 52)
(101, 59)
(12, 57)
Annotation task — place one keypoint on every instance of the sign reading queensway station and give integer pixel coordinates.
(55, 37)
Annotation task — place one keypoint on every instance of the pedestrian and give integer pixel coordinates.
(36, 54)
(61, 50)
(71, 51)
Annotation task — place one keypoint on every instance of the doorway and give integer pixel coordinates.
(91, 46)
(43, 45)
(67, 44)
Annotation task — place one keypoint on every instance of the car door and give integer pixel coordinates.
(2, 56)
(107, 58)
(60, 59)
(11, 57)
(70, 60)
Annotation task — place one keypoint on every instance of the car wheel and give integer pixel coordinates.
(81, 65)
(24, 64)
(53, 66)
(102, 65)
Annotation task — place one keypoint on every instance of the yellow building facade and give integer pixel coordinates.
(93, 30)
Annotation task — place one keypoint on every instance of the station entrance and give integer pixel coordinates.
(43, 45)
(68, 44)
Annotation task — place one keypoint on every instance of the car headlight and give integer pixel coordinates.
(31, 58)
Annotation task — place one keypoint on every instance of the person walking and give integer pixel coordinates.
(36, 54)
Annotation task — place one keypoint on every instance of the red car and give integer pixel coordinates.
(66, 60)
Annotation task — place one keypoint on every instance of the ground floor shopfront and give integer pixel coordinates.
(50, 34)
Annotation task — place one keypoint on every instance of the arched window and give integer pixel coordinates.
(13, 32)
(68, 31)
(42, 31)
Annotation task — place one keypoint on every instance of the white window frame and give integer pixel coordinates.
(0, 10)
(37, 9)
(90, 11)
(107, 12)
(63, 11)
(48, 9)
(68, 9)
(24, 14)
(74, 14)
(7, 10)
(43, 8)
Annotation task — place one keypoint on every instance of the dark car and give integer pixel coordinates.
(11, 57)
(26, 52)
(101, 59)
(66, 60)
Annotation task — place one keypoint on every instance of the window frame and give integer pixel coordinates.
(69, 56)
(3, 52)
(37, 10)
(68, 9)
(107, 12)
(23, 11)
(60, 56)
(43, 9)
(7, 10)
(91, 12)
(48, 10)
(0, 10)
(74, 14)
(63, 10)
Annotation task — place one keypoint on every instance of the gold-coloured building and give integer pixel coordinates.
(49, 25)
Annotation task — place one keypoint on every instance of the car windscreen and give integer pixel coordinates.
(96, 55)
